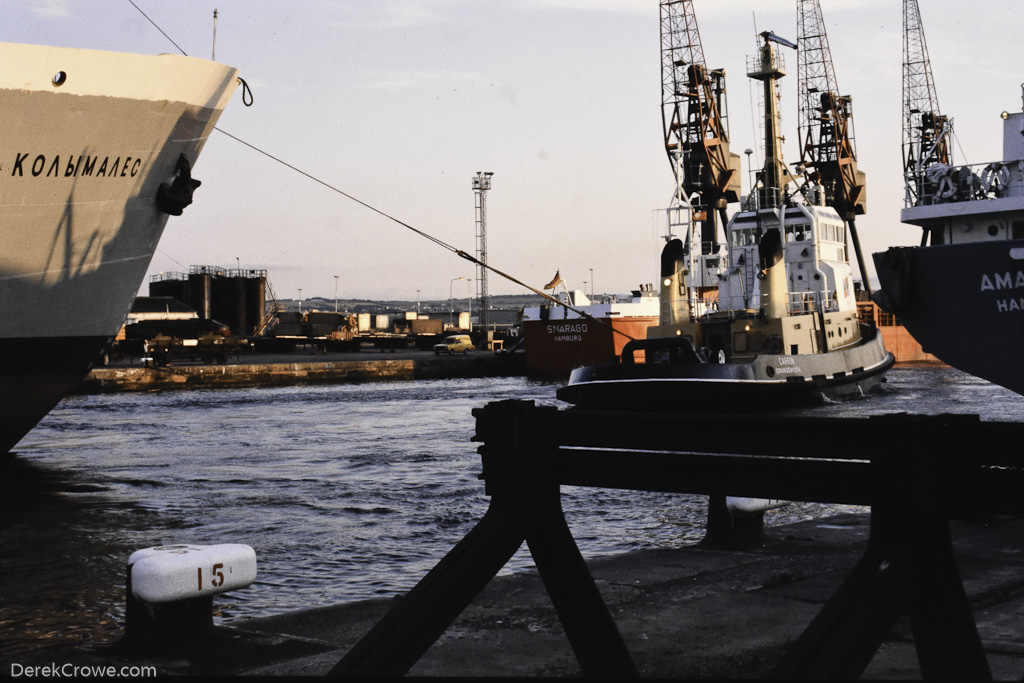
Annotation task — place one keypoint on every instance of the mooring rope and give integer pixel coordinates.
(435, 240)
(428, 236)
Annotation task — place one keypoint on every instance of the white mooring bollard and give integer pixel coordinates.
(171, 588)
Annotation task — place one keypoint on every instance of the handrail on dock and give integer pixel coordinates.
(917, 473)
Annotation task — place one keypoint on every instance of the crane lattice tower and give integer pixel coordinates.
(926, 131)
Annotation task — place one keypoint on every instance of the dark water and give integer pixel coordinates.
(345, 492)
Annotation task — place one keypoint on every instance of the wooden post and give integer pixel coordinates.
(907, 568)
(525, 505)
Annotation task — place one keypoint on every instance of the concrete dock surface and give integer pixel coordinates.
(684, 613)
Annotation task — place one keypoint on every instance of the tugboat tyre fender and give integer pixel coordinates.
(946, 187)
(995, 177)
(942, 176)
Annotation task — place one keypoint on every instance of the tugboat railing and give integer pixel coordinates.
(762, 197)
(799, 303)
(823, 301)
(945, 184)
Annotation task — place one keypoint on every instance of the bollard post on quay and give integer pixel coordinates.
(170, 590)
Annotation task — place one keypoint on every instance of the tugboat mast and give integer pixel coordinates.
(768, 67)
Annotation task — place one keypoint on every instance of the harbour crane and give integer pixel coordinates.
(695, 125)
(926, 132)
(827, 149)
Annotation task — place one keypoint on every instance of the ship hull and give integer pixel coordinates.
(768, 382)
(89, 139)
(555, 347)
(942, 292)
(37, 374)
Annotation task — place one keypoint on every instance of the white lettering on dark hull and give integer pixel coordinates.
(567, 328)
(1005, 280)
(1007, 305)
(1002, 281)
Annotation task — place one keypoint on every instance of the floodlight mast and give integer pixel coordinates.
(481, 184)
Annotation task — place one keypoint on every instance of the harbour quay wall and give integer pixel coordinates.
(116, 379)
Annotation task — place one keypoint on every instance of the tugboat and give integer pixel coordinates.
(783, 329)
(97, 152)
(969, 266)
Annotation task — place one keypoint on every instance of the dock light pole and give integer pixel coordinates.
(335, 293)
(451, 307)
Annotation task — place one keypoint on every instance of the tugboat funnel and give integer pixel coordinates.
(774, 292)
(675, 299)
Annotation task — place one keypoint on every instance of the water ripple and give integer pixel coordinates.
(346, 492)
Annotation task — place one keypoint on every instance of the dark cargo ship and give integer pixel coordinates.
(961, 292)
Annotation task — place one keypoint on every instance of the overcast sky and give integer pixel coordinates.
(401, 102)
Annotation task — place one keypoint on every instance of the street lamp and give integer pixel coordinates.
(451, 308)
(591, 283)
(300, 299)
(335, 293)
(417, 303)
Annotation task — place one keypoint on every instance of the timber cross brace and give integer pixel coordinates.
(907, 474)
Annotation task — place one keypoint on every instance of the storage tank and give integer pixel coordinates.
(200, 286)
(175, 287)
(223, 300)
(233, 305)
(255, 301)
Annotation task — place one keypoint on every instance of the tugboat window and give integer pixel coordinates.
(993, 230)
